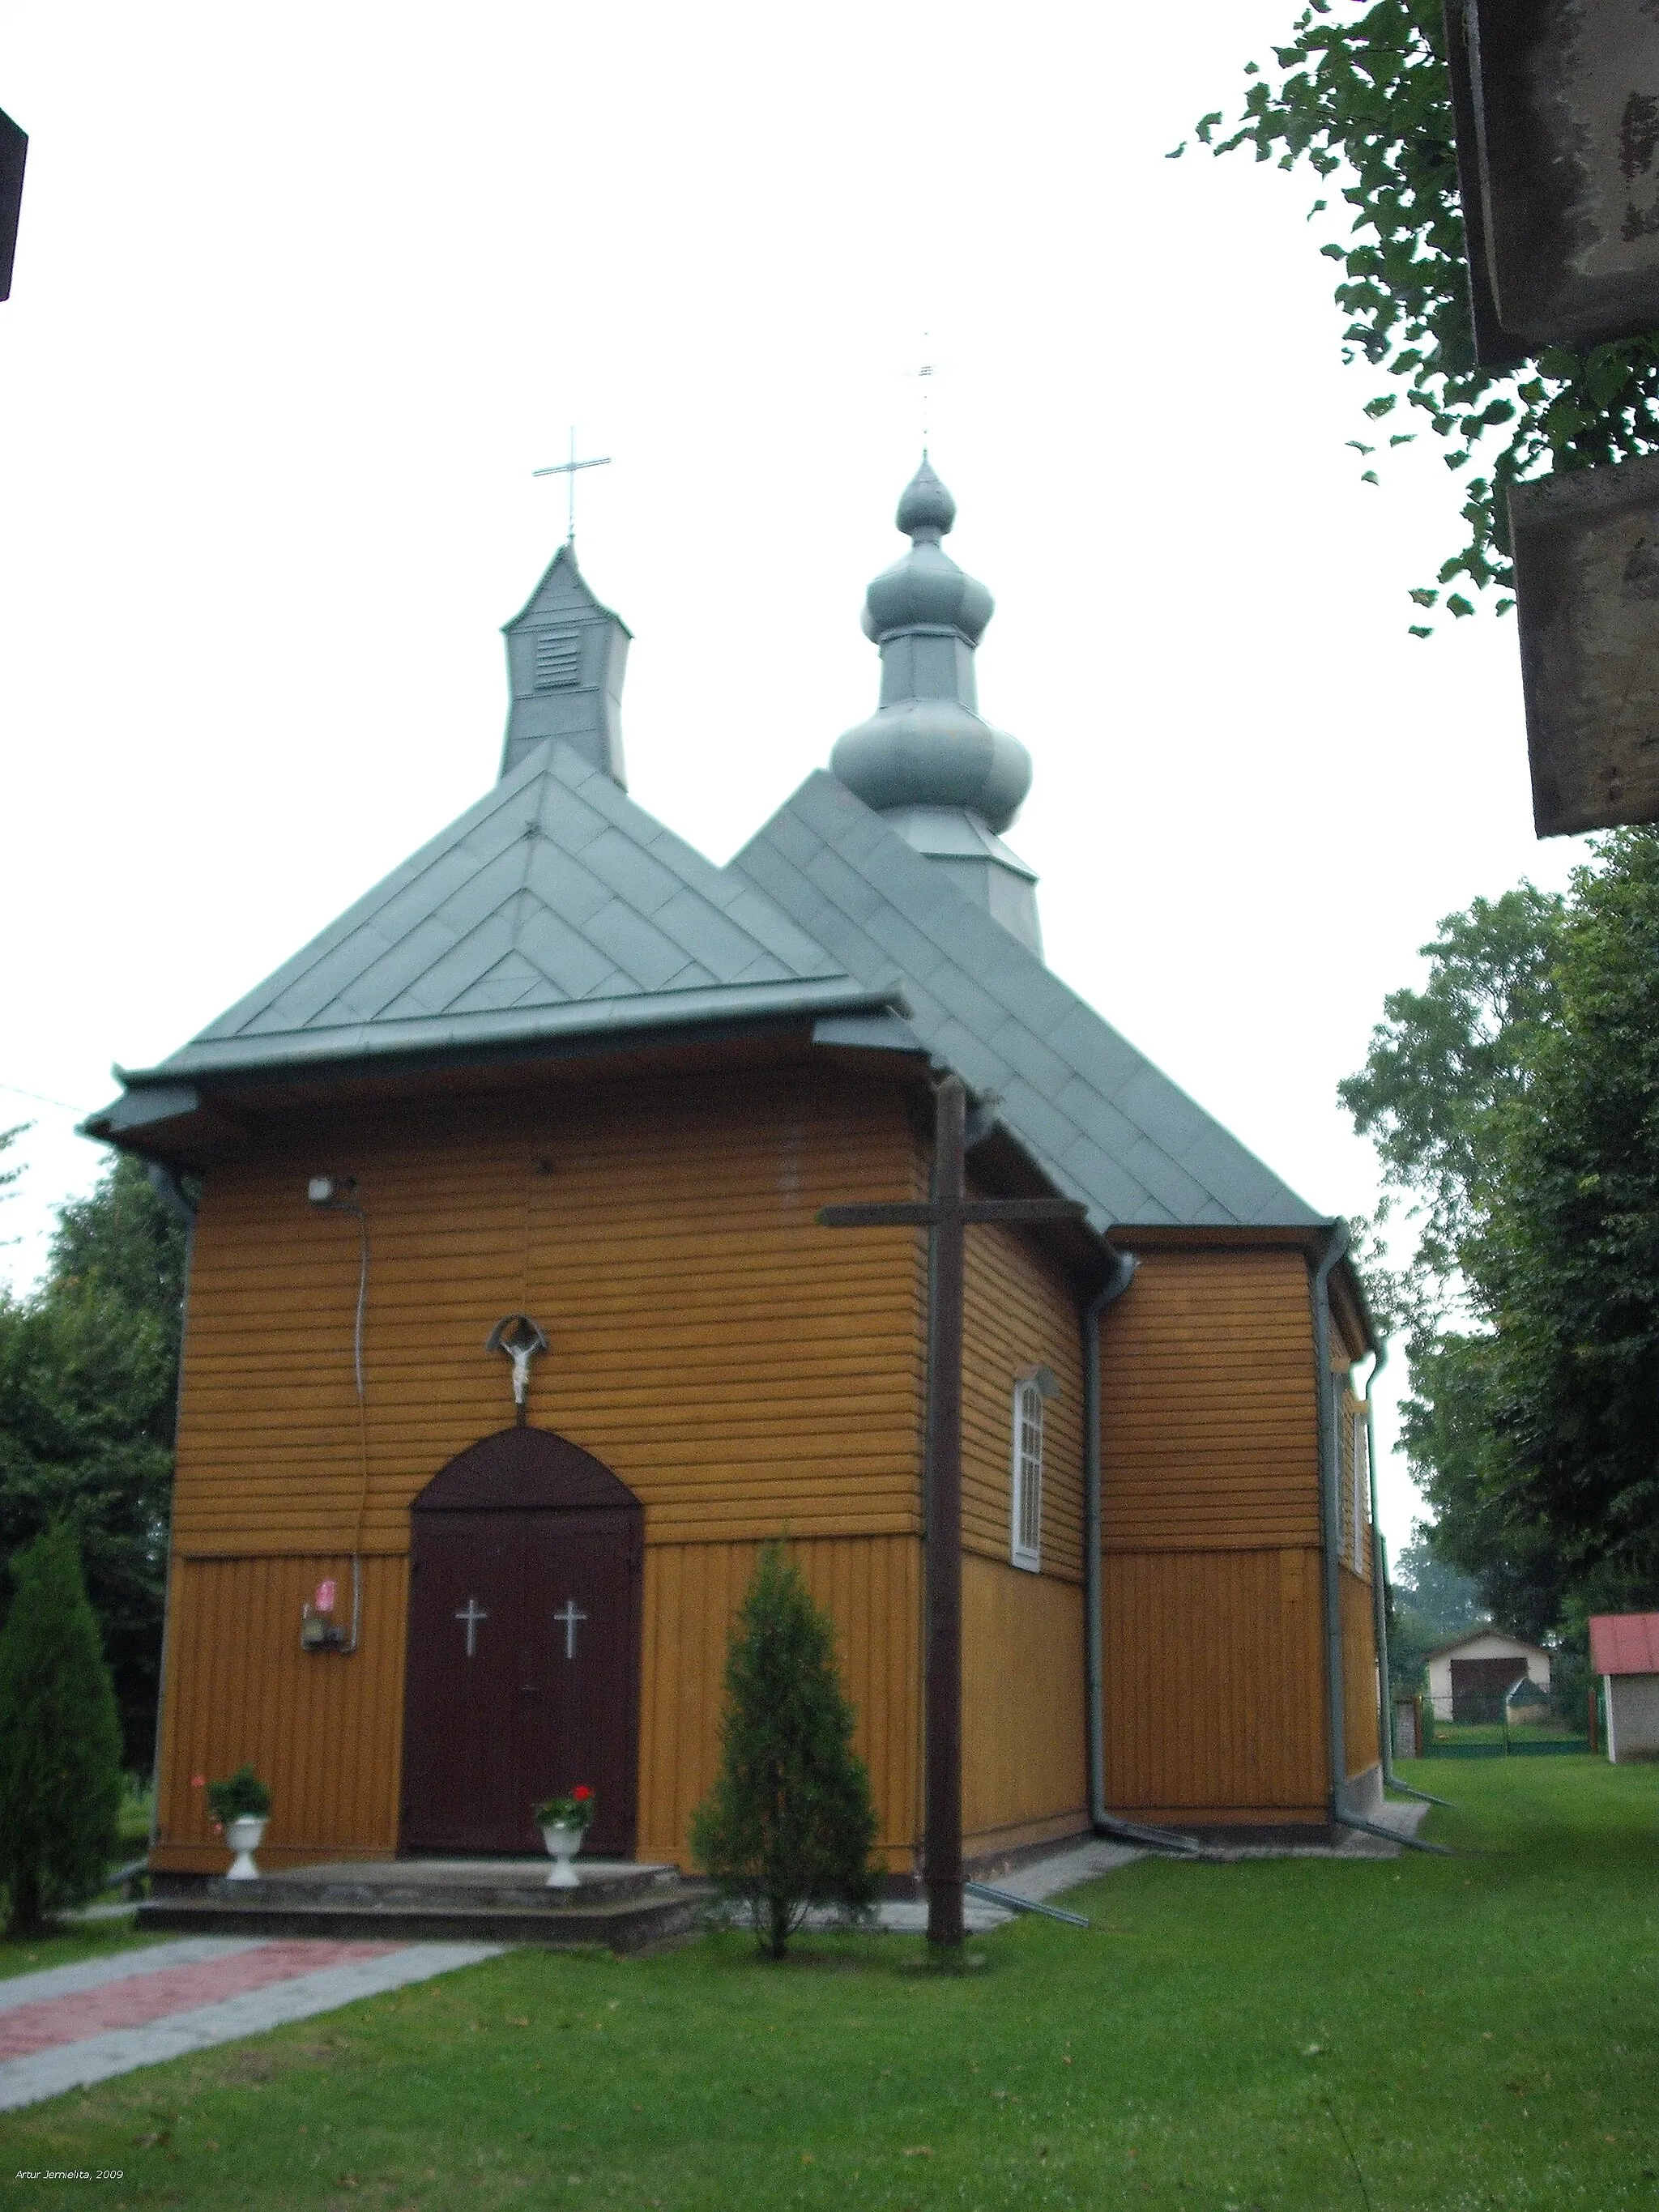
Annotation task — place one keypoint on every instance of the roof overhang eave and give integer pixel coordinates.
(159, 1105)
(305, 1050)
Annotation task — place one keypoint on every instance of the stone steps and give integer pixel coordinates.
(412, 1900)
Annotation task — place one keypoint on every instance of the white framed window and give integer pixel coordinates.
(1359, 1453)
(1027, 1516)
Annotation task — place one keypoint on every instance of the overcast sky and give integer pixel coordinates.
(302, 297)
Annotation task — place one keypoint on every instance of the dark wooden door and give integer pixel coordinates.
(576, 1700)
(461, 1768)
(1479, 1686)
(523, 1668)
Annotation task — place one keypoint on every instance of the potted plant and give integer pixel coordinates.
(241, 1806)
(563, 1823)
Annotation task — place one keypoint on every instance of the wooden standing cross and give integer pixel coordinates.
(947, 1214)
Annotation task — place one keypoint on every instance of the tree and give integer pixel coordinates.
(1565, 1270)
(60, 1740)
(789, 1823)
(1444, 1062)
(1431, 1602)
(123, 1237)
(89, 1381)
(1516, 1102)
(1364, 96)
(1446, 1601)
(9, 1176)
(1525, 1578)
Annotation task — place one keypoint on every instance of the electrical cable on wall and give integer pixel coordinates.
(325, 1193)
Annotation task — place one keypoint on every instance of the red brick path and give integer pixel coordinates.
(143, 1997)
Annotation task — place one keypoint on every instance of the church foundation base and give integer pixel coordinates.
(617, 1904)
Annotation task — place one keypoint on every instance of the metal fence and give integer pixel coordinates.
(1496, 1724)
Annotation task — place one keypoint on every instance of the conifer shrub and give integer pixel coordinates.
(60, 1737)
(789, 1823)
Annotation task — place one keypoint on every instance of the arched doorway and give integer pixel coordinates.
(524, 1647)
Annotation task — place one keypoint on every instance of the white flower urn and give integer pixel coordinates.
(564, 1839)
(244, 1837)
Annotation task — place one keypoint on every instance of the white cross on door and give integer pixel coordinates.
(569, 1616)
(472, 1615)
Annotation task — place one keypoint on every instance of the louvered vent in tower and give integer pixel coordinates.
(558, 659)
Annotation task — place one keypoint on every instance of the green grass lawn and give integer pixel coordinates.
(1384, 2034)
(63, 1947)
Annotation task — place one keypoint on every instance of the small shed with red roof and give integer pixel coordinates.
(1624, 1653)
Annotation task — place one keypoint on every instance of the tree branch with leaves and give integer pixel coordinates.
(1363, 95)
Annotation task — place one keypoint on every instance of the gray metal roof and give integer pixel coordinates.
(1099, 1118)
(556, 906)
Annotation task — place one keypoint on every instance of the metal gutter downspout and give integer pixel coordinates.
(1164, 1839)
(1330, 1524)
(164, 1181)
(1330, 1509)
(1380, 1601)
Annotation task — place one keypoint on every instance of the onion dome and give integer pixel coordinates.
(926, 744)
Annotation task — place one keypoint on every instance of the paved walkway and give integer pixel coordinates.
(69, 2026)
(1037, 1879)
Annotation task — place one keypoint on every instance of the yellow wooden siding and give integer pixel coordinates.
(239, 1686)
(736, 1364)
(1214, 1677)
(872, 1589)
(1360, 1718)
(324, 1732)
(1020, 1310)
(1209, 1429)
(1023, 1716)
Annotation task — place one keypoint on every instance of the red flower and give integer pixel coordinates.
(581, 1791)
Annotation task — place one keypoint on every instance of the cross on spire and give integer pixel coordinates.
(568, 470)
(925, 374)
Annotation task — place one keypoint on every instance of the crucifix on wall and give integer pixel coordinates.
(518, 1338)
(948, 1215)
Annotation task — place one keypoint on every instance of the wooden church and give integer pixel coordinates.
(553, 1110)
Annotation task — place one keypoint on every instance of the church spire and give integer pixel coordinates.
(566, 655)
(945, 778)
